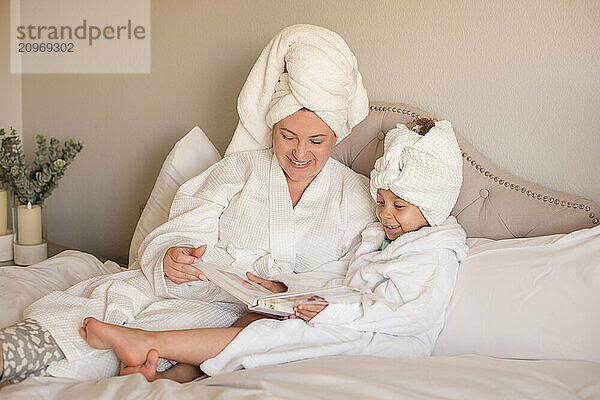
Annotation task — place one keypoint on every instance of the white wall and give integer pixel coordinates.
(519, 79)
(10, 84)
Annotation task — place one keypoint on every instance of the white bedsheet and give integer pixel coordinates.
(352, 377)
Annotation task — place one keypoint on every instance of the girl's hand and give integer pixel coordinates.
(176, 264)
(308, 311)
(273, 286)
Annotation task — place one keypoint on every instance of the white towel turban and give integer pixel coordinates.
(425, 170)
(303, 66)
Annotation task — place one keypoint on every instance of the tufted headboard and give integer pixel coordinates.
(492, 203)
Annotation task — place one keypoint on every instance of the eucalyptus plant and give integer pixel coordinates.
(33, 184)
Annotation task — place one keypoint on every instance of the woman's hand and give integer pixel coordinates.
(176, 264)
(308, 311)
(273, 286)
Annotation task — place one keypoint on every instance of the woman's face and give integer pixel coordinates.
(302, 143)
(397, 216)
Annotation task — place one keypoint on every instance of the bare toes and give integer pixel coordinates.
(85, 321)
(83, 333)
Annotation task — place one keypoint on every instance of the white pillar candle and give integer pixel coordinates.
(3, 212)
(29, 224)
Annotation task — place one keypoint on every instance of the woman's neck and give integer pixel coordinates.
(296, 189)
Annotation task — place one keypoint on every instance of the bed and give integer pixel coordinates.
(524, 321)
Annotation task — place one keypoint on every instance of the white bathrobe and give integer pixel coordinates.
(414, 277)
(241, 208)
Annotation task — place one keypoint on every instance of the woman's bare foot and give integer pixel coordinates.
(148, 369)
(130, 345)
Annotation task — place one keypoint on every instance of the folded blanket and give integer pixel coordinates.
(303, 66)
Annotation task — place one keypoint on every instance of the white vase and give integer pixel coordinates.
(6, 233)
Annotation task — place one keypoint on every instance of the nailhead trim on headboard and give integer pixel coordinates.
(527, 192)
(498, 180)
(395, 109)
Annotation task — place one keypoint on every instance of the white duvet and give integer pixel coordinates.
(21, 286)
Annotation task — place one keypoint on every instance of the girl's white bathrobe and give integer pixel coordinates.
(414, 278)
(241, 208)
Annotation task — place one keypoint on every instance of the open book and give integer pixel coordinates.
(261, 300)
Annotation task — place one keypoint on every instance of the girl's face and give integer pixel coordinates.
(302, 144)
(396, 215)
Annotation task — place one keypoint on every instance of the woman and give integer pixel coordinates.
(276, 212)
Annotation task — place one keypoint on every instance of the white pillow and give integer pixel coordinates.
(532, 298)
(190, 156)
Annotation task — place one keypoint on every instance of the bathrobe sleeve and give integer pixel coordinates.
(194, 216)
(413, 290)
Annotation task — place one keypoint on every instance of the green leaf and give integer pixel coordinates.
(36, 182)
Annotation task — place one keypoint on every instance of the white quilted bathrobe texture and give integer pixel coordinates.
(414, 277)
(241, 208)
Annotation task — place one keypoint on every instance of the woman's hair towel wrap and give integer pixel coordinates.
(425, 170)
(303, 66)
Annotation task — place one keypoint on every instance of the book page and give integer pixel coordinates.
(246, 291)
(285, 302)
(331, 294)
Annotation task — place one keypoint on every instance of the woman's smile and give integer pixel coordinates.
(298, 164)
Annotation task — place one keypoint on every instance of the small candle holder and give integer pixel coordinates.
(30, 245)
(6, 223)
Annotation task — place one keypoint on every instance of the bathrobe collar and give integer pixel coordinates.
(282, 214)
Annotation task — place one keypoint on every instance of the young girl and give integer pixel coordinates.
(409, 260)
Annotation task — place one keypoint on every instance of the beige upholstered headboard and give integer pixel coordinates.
(492, 203)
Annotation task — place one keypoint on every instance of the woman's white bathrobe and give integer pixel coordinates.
(414, 277)
(241, 208)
